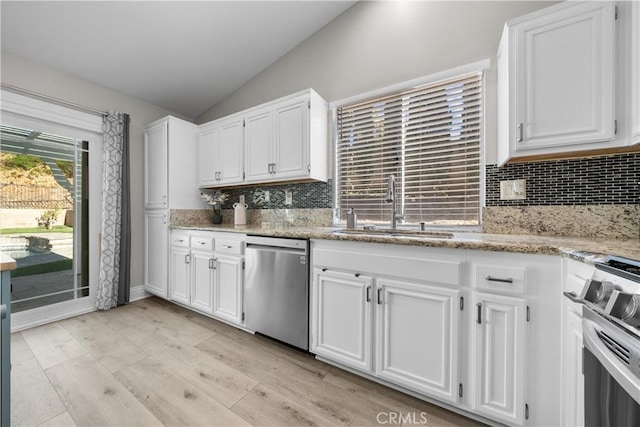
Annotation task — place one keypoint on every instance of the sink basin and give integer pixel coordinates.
(387, 232)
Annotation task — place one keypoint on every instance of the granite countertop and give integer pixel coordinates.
(6, 262)
(583, 249)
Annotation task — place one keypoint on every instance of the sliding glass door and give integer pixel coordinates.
(44, 216)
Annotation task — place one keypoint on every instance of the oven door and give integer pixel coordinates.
(612, 388)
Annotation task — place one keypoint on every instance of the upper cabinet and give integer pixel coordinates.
(557, 85)
(169, 151)
(282, 140)
(634, 14)
(220, 152)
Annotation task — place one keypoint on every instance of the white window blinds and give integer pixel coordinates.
(428, 137)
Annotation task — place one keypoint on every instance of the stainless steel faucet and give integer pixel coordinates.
(391, 198)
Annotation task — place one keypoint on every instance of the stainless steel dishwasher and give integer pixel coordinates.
(277, 288)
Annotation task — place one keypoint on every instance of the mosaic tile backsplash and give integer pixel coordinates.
(605, 180)
(307, 195)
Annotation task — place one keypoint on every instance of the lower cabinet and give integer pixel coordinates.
(499, 338)
(202, 280)
(342, 317)
(475, 330)
(205, 279)
(155, 253)
(228, 288)
(180, 274)
(410, 327)
(417, 337)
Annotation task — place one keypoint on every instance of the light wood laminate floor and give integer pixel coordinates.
(154, 363)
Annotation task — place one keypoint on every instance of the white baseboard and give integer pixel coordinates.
(137, 293)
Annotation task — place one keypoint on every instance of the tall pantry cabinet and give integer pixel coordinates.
(170, 147)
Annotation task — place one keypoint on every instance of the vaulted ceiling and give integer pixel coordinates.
(184, 56)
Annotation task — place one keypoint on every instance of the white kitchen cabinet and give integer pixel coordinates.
(417, 337)
(635, 70)
(556, 81)
(156, 253)
(156, 170)
(202, 280)
(228, 288)
(286, 139)
(169, 183)
(499, 356)
(208, 147)
(342, 318)
(291, 157)
(231, 152)
(258, 139)
(209, 281)
(220, 152)
(170, 153)
(180, 271)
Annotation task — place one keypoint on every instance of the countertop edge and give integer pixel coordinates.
(7, 263)
(584, 250)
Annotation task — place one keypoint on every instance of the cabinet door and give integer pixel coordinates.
(292, 138)
(228, 284)
(231, 151)
(417, 337)
(179, 270)
(208, 143)
(202, 278)
(342, 305)
(635, 72)
(565, 77)
(572, 378)
(499, 337)
(156, 243)
(155, 167)
(258, 139)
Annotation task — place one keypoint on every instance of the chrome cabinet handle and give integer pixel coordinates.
(3, 311)
(186, 259)
(497, 279)
(379, 295)
(479, 317)
(368, 299)
(227, 246)
(211, 264)
(520, 132)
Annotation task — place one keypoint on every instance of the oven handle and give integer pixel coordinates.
(618, 370)
(573, 297)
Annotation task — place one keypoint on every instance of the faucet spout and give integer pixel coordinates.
(391, 198)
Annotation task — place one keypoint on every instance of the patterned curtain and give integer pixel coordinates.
(114, 284)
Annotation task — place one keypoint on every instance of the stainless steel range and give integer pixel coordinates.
(611, 340)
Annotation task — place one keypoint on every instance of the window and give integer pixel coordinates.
(428, 137)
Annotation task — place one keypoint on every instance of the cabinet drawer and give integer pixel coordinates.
(205, 243)
(498, 278)
(229, 246)
(180, 240)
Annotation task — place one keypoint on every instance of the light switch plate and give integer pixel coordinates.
(513, 190)
(288, 197)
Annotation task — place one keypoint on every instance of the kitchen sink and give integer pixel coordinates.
(387, 232)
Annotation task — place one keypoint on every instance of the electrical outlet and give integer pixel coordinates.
(265, 195)
(288, 197)
(513, 190)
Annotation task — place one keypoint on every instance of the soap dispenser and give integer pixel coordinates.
(352, 219)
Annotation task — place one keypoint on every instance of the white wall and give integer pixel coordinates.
(25, 74)
(378, 44)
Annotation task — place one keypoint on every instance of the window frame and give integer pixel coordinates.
(475, 67)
